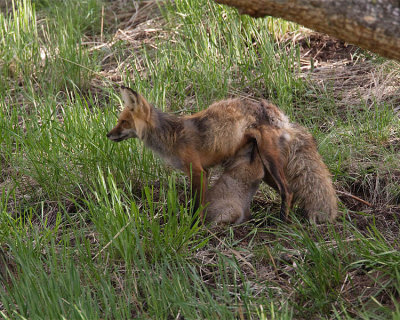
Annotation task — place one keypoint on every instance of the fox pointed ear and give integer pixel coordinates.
(129, 97)
(135, 102)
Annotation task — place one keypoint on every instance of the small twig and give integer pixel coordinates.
(114, 237)
(273, 262)
(355, 198)
(341, 289)
(112, 240)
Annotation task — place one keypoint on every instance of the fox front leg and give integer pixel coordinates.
(198, 179)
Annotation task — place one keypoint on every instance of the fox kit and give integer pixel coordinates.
(196, 142)
(230, 197)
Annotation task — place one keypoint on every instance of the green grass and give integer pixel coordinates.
(91, 229)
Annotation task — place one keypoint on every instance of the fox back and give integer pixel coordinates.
(213, 135)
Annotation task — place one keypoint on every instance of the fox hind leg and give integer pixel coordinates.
(270, 155)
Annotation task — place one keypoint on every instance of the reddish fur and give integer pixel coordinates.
(307, 176)
(196, 142)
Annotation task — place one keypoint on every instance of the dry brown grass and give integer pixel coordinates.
(348, 75)
(136, 27)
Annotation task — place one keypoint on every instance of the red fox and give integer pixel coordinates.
(196, 142)
(230, 197)
(307, 176)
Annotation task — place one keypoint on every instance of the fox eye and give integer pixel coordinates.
(123, 122)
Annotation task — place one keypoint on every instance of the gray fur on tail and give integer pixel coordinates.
(308, 177)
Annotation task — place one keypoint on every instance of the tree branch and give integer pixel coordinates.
(370, 24)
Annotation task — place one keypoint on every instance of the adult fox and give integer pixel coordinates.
(193, 143)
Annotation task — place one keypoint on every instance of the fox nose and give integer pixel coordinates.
(108, 134)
